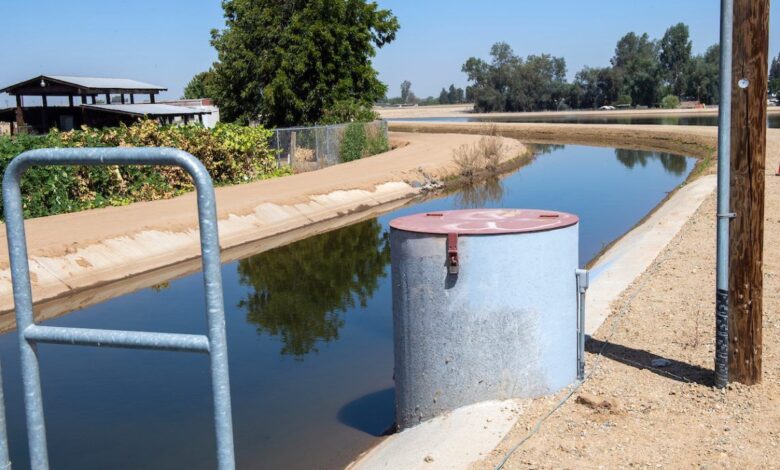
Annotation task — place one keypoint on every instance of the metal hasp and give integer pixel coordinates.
(214, 343)
(453, 266)
(506, 326)
(582, 287)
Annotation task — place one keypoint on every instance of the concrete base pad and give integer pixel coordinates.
(452, 441)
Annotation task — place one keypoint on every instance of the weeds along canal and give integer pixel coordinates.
(309, 333)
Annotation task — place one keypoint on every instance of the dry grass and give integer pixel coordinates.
(485, 155)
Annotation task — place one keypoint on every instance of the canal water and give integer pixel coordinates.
(773, 121)
(309, 333)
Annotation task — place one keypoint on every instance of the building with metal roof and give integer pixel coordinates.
(118, 96)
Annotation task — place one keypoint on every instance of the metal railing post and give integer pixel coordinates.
(5, 457)
(582, 287)
(215, 343)
(724, 212)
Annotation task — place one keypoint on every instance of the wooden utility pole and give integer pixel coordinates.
(748, 153)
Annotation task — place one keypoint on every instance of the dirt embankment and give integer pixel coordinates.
(77, 255)
(687, 140)
(649, 402)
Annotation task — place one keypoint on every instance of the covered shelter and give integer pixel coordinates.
(94, 101)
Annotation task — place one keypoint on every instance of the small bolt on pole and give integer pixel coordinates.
(724, 212)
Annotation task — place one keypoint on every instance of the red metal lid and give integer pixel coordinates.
(484, 221)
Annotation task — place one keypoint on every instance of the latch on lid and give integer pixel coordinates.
(453, 264)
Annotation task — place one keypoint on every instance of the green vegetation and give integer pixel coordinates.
(300, 292)
(641, 72)
(232, 154)
(774, 76)
(509, 83)
(670, 102)
(452, 96)
(201, 86)
(294, 62)
(361, 140)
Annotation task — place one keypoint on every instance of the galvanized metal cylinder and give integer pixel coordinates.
(484, 307)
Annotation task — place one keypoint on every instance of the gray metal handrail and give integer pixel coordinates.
(214, 343)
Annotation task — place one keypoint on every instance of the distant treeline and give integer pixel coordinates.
(452, 95)
(643, 72)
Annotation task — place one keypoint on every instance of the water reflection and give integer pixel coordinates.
(479, 194)
(673, 164)
(300, 291)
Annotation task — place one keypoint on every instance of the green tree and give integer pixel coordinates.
(509, 83)
(704, 76)
(774, 76)
(301, 291)
(452, 95)
(675, 57)
(444, 97)
(774, 69)
(201, 86)
(596, 87)
(286, 62)
(637, 64)
(406, 91)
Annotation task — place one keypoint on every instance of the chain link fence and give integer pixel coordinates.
(311, 148)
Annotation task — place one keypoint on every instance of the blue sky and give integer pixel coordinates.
(167, 41)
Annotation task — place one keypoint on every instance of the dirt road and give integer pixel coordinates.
(649, 402)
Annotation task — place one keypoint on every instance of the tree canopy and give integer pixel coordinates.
(642, 72)
(287, 62)
(676, 57)
(201, 86)
(509, 83)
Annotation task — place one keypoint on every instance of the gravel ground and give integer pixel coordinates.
(649, 402)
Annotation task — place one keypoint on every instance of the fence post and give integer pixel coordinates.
(291, 155)
(278, 149)
(317, 146)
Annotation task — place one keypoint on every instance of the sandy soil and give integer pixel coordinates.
(630, 413)
(465, 111)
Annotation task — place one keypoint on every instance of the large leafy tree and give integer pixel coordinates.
(596, 87)
(636, 62)
(704, 76)
(287, 62)
(509, 83)
(675, 57)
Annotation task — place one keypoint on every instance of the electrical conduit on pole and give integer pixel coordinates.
(724, 213)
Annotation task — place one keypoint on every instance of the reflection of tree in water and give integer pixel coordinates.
(674, 164)
(544, 149)
(478, 194)
(300, 291)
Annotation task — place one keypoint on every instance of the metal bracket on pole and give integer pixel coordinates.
(214, 343)
(582, 286)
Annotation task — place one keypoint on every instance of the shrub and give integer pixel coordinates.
(362, 140)
(624, 100)
(354, 142)
(232, 154)
(485, 154)
(670, 102)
